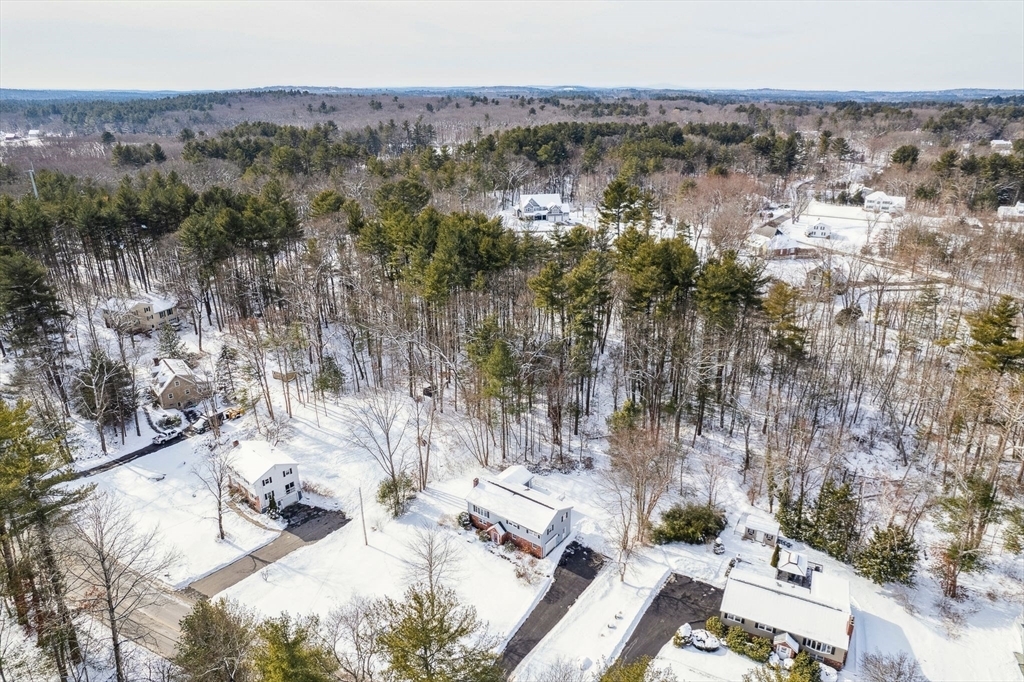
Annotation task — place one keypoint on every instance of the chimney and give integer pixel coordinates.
(476, 482)
(234, 444)
(156, 362)
(849, 627)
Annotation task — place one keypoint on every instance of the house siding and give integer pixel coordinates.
(837, 659)
(532, 543)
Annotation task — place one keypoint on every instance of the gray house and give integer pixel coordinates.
(510, 508)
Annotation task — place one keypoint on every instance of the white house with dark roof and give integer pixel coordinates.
(264, 475)
(509, 507)
(817, 617)
(542, 207)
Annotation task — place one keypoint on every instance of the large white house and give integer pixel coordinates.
(542, 207)
(880, 202)
(144, 313)
(509, 507)
(264, 475)
(816, 616)
(819, 230)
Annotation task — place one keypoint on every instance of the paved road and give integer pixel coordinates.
(307, 527)
(577, 569)
(157, 626)
(124, 459)
(681, 600)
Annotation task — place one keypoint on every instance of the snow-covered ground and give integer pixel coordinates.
(165, 496)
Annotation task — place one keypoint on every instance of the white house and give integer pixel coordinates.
(34, 133)
(264, 475)
(1012, 212)
(757, 529)
(144, 313)
(880, 202)
(819, 230)
(817, 617)
(998, 146)
(509, 507)
(542, 207)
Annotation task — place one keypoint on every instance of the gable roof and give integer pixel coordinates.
(511, 499)
(169, 370)
(758, 523)
(541, 200)
(821, 612)
(156, 301)
(252, 459)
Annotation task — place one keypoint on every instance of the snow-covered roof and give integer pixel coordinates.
(252, 459)
(877, 195)
(793, 563)
(787, 639)
(516, 475)
(821, 612)
(758, 523)
(512, 500)
(781, 242)
(542, 200)
(170, 369)
(156, 301)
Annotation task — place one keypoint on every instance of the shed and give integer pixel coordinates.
(758, 529)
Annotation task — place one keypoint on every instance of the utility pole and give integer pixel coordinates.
(362, 516)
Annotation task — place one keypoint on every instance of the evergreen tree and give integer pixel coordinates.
(906, 156)
(30, 313)
(226, 370)
(216, 643)
(325, 203)
(780, 305)
(995, 345)
(288, 651)
(331, 378)
(620, 205)
(834, 521)
(168, 345)
(790, 513)
(805, 669)
(429, 637)
(890, 556)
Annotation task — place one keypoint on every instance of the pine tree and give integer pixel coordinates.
(995, 345)
(805, 669)
(834, 520)
(429, 637)
(168, 345)
(288, 651)
(216, 643)
(890, 556)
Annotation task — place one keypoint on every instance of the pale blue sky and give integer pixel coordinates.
(793, 45)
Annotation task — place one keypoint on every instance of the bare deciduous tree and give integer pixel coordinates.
(215, 471)
(118, 565)
(379, 429)
(899, 667)
(351, 632)
(433, 558)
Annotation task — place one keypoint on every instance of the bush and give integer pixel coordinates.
(714, 626)
(694, 524)
(759, 649)
(395, 495)
(464, 520)
(805, 669)
(678, 641)
(736, 639)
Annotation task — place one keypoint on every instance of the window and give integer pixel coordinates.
(818, 646)
(765, 628)
(733, 617)
(287, 472)
(477, 510)
(170, 311)
(768, 537)
(170, 396)
(187, 391)
(288, 488)
(269, 496)
(177, 383)
(146, 310)
(162, 313)
(266, 481)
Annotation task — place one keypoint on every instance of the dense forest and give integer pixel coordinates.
(375, 259)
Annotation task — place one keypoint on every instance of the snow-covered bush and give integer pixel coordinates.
(736, 638)
(898, 667)
(464, 521)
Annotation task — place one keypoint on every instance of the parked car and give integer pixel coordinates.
(163, 438)
(201, 426)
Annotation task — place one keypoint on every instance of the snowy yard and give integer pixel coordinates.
(164, 495)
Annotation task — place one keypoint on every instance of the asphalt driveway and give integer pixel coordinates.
(576, 570)
(681, 600)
